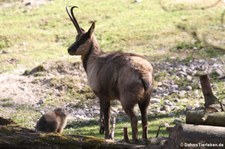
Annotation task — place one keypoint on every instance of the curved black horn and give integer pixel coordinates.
(73, 19)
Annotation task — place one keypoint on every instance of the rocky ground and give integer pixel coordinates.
(64, 84)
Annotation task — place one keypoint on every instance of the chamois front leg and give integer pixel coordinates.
(105, 109)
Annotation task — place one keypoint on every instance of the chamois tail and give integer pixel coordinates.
(147, 82)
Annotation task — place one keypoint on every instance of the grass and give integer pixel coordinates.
(91, 128)
(32, 36)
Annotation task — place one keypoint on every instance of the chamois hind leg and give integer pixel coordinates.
(101, 122)
(143, 106)
(105, 111)
(128, 108)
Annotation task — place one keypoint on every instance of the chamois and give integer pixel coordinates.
(52, 121)
(123, 76)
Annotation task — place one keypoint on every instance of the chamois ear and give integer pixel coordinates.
(91, 29)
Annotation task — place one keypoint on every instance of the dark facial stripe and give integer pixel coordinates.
(86, 57)
(82, 40)
(79, 42)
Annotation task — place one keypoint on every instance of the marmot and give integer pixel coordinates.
(53, 121)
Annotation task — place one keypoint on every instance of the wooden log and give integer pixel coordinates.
(13, 136)
(207, 91)
(200, 117)
(196, 136)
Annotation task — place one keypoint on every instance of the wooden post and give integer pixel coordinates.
(207, 91)
(112, 135)
(125, 135)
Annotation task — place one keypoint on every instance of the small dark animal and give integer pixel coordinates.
(123, 76)
(53, 121)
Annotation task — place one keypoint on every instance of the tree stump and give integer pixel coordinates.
(209, 97)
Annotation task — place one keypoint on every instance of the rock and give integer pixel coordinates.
(158, 141)
(165, 108)
(162, 112)
(42, 112)
(174, 86)
(159, 84)
(196, 93)
(182, 93)
(176, 100)
(181, 74)
(189, 108)
(40, 102)
(80, 112)
(3, 52)
(154, 100)
(168, 103)
(177, 120)
(188, 88)
(171, 114)
(216, 72)
(137, 1)
(189, 78)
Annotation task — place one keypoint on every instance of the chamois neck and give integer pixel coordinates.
(96, 47)
(92, 53)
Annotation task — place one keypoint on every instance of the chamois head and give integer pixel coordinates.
(83, 38)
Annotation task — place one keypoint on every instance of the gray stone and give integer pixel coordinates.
(80, 112)
(165, 108)
(171, 114)
(182, 93)
(188, 88)
(189, 78)
(188, 108)
(168, 103)
(154, 100)
(177, 120)
(176, 100)
(40, 102)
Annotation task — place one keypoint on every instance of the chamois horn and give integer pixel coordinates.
(73, 19)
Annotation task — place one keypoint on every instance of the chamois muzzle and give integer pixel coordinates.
(71, 50)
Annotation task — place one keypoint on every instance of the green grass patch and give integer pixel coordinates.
(33, 36)
(91, 128)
